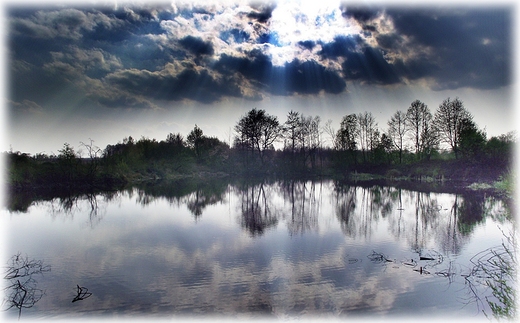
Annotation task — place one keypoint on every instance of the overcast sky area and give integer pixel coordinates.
(110, 70)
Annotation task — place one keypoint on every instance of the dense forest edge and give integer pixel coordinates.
(417, 146)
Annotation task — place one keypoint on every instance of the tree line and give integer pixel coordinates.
(303, 146)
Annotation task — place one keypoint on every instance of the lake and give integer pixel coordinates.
(239, 249)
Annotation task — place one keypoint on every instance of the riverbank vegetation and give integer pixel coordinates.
(416, 144)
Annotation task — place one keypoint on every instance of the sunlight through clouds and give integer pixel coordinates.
(295, 22)
(234, 55)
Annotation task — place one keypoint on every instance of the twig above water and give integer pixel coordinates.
(82, 294)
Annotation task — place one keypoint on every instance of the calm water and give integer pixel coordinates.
(283, 249)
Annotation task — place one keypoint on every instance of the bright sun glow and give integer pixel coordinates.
(295, 21)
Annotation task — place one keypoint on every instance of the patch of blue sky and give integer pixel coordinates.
(271, 38)
(239, 36)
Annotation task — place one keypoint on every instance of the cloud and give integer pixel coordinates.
(64, 23)
(360, 61)
(453, 47)
(26, 106)
(342, 46)
(262, 12)
(360, 13)
(307, 44)
(296, 77)
(174, 82)
(207, 52)
(196, 45)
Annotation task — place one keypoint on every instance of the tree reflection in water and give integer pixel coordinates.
(415, 220)
(415, 215)
(419, 217)
(304, 201)
(195, 194)
(95, 203)
(256, 208)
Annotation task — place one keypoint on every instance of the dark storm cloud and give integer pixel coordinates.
(166, 85)
(197, 46)
(361, 14)
(262, 12)
(341, 46)
(307, 77)
(361, 62)
(369, 66)
(307, 44)
(470, 47)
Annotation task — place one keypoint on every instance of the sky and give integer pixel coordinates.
(103, 71)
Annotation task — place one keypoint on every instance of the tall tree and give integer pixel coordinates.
(347, 134)
(291, 129)
(429, 137)
(418, 117)
(310, 138)
(397, 130)
(257, 131)
(68, 161)
(449, 118)
(367, 127)
(331, 132)
(472, 141)
(195, 138)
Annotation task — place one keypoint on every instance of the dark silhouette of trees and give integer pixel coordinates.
(309, 139)
(347, 134)
(450, 117)
(68, 162)
(383, 150)
(93, 154)
(195, 139)
(175, 139)
(471, 140)
(291, 129)
(257, 131)
(302, 137)
(357, 146)
(499, 150)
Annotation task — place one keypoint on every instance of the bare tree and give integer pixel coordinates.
(329, 130)
(397, 130)
(449, 118)
(418, 118)
(367, 127)
(93, 153)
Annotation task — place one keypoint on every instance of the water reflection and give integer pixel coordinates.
(415, 216)
(257, 209)
(419, 217)
(304, 199)
(195, 194)
(281, 247)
